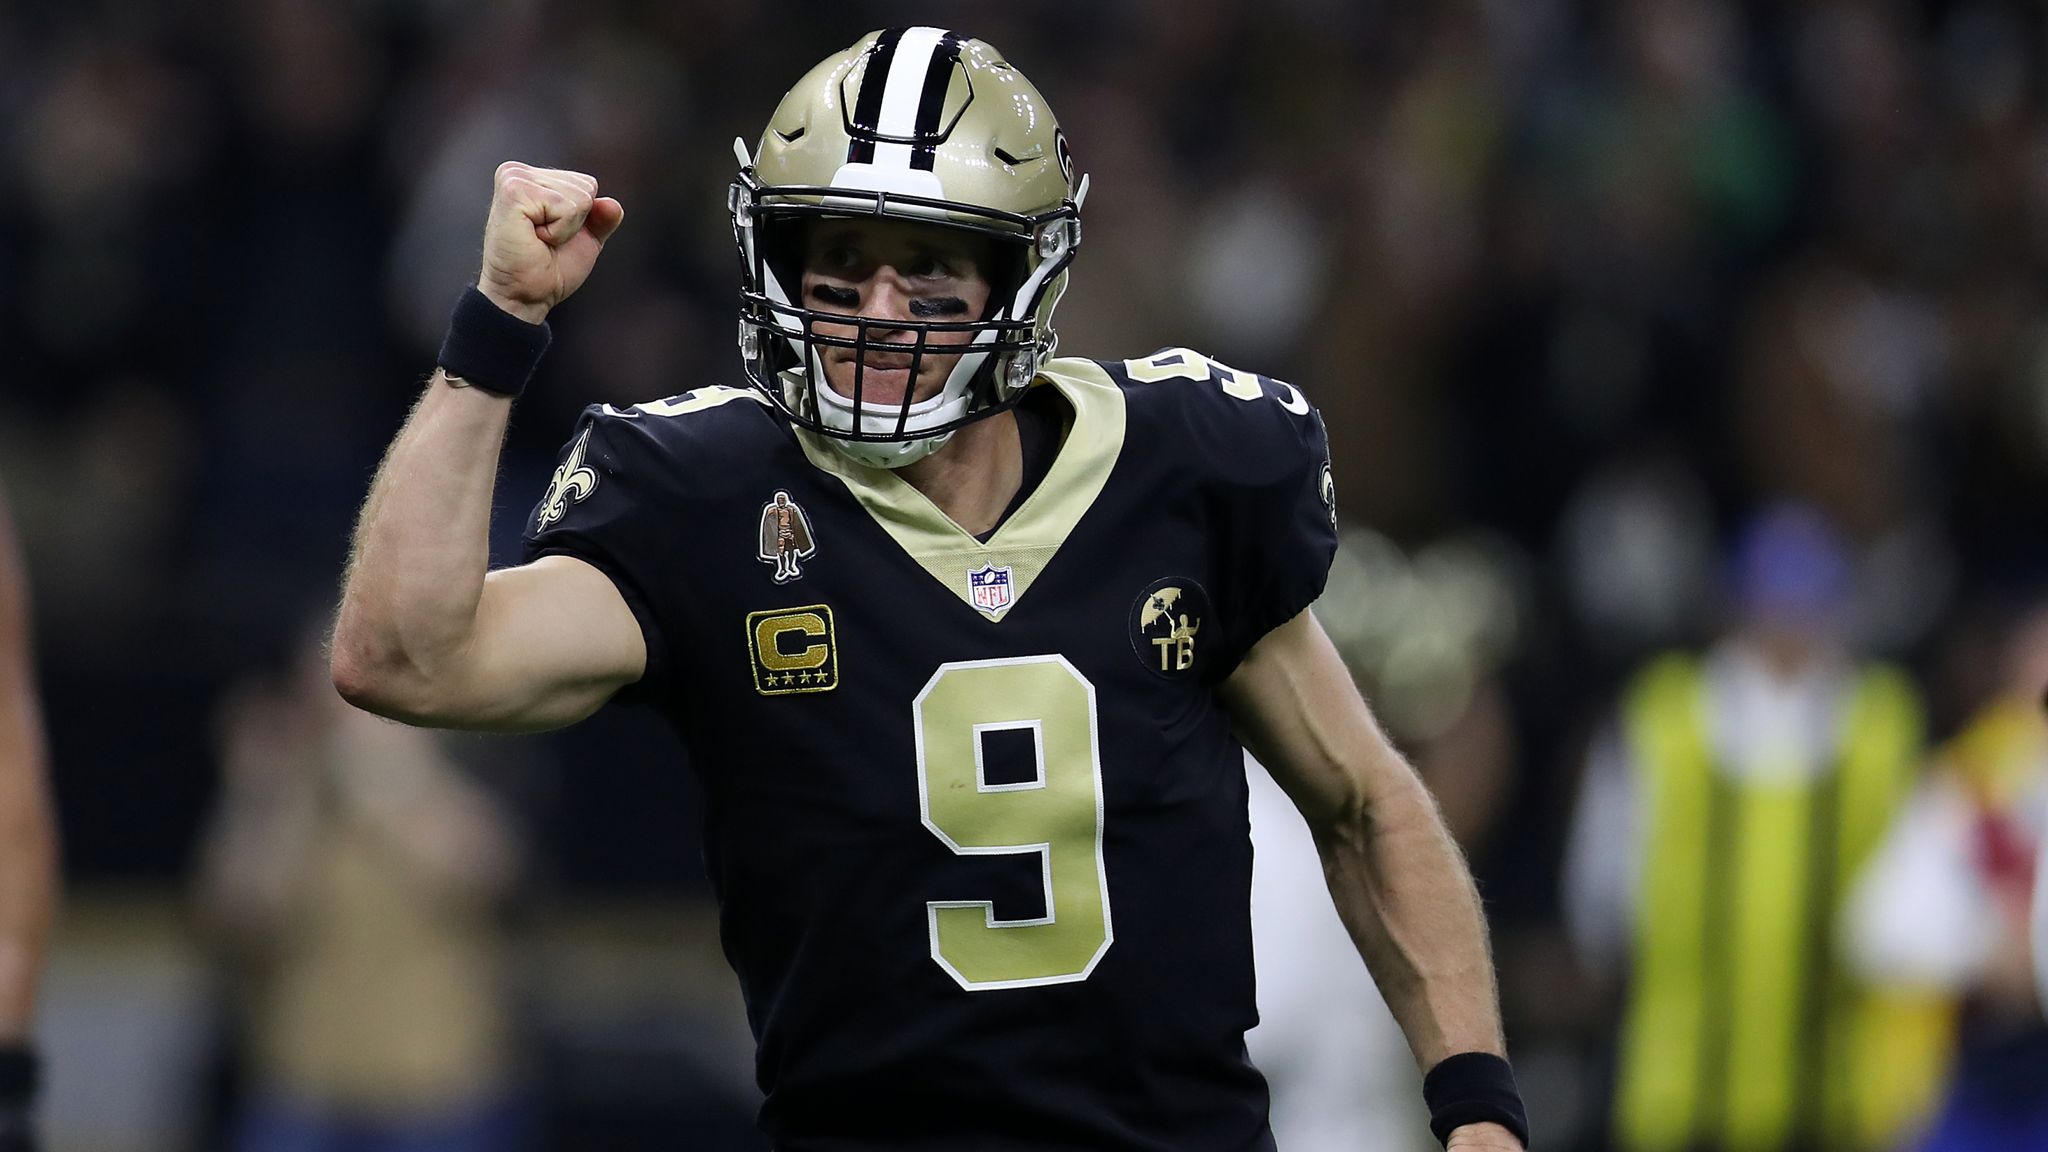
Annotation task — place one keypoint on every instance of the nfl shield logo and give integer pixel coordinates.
(990, 588)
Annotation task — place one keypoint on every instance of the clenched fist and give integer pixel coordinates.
(546, 228)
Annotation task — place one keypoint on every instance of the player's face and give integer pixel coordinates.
(889, 270)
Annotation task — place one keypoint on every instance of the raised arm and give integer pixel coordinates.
(1399, 882)
(424, 634)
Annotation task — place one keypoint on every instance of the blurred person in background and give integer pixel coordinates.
(1171, 519)
(1723, 816)
(2040, 919)
(1944, 905)
(28, 849)
(355, 879)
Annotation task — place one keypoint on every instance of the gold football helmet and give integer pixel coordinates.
(918, 124)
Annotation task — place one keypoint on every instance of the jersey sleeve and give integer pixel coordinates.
(598, 508)
(1272, 501)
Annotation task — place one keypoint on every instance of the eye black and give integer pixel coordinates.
(835, 295)
(938, 306)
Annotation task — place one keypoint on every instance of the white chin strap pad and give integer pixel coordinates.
(837, 412)
(889, 453)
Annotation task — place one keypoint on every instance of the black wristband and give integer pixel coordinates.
(20, 1074)
(1474, 1088)
(489, 348)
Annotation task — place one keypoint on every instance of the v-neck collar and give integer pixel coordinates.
(1020, 548)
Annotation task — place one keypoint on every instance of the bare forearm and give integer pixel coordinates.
(1396, 876)
(1404, 891)
(422, 545)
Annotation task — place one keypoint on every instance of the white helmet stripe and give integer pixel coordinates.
(903, 92)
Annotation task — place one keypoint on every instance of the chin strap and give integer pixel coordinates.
(890, 454)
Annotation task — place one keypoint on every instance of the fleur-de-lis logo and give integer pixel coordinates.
(572, 483)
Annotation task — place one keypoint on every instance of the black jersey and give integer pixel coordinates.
(975, 820)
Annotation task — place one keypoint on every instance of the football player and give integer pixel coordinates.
(976, 807)
(28, 849)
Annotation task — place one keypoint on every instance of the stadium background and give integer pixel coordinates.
(1579, 286)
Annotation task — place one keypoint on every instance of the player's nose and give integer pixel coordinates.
(886, 297)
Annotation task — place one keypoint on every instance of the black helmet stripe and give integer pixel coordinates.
(938, 75)
(867, 108)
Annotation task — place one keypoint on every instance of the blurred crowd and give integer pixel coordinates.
(1586, 290)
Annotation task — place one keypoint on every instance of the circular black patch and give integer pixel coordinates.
(1167, 622)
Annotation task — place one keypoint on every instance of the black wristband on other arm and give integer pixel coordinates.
(20, 1073)
(1473, 1088)
(489, 348)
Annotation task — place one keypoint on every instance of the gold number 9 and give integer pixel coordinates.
(1057, 815)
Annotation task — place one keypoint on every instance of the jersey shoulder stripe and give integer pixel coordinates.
(1225, 425)
(708, 438)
